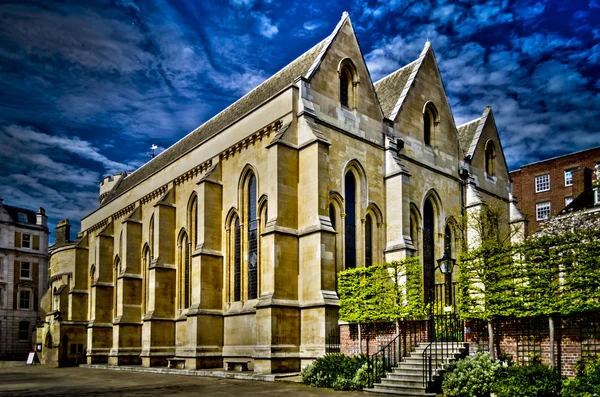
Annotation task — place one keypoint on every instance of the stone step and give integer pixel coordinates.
(400, 391)
(413, 383)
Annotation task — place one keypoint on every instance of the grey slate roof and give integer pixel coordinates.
(389, 88)
(13, 212)
(466, 132)
(269, 88)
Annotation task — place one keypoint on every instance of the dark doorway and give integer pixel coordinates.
(428, 250)
(64, 352)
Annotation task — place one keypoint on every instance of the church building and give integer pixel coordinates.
(223, 250)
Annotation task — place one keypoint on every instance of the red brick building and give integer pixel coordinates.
(545, 187)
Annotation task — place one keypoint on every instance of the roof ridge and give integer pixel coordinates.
(328, 40)
(232, 104)
(469, 122)
(395, 72)
(18, 208)
(410, 80)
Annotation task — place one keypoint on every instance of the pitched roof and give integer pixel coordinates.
(466, 132)
(388, 87)
(469, 133)
(394, 89)
(13, 212)
(269, 88)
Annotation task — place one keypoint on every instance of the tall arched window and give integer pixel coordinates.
(429, 122)
(414, 227)
(184, 272)
(151, 238)
(237, 261)
(490, 158)
(252, 240)
(117, 266)
(348, 82)
(368, 241)
(332, 215)
(192, 220)
(428, 249)
(350, 220)
(145, 277)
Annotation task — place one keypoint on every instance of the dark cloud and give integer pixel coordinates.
(86, 90)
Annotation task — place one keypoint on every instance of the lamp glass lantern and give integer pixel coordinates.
(446, 263)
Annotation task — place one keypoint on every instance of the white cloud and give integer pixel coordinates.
(265, 25)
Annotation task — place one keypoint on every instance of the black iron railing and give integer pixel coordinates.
(446, 334)
(332, 344)
(395, 351)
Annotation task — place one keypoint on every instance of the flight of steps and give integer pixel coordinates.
(406, 379)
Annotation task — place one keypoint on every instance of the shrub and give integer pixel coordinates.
(471, 377)
(587, 381)
(334, 371)
(531, 380)
(362, 378)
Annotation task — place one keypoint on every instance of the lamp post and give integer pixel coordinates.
(446, 265)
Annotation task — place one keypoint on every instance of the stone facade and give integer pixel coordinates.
(23, 277)
(223, 250)
(582, 166)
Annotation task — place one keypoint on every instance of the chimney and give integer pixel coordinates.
(582, 180)
(42, 219)
(63, 232)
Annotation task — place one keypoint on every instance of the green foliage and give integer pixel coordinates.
(553, 274)
(334, 371)
(381, 292)
(587, 381)
(471, 377)
(531, 380)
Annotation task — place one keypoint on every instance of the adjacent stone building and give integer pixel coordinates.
(223, 250)
(546, 187)
(23, 276)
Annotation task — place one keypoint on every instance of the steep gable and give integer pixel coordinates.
(423, 87)
(324, 78)
(486, 131)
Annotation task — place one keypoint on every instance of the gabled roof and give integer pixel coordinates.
(388, 87)
(393, 89)
(252, 100)
(470, 132)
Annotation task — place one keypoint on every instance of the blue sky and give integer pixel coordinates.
(87, 87)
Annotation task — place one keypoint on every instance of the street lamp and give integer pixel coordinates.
(446, 265)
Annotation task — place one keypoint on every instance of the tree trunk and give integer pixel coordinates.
(551, 327)
(491, 339)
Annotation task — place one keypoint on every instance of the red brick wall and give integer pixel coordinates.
(516, 337)
(524, 182)
(375, 336)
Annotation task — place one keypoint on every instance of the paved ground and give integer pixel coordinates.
(39, 380)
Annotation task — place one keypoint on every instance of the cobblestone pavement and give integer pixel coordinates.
(39, 380)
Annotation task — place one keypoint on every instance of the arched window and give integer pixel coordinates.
(414, 227)
(332, 215)
(151, 238)
(429, 121)
(350, 220)
(145, 277)
(449, 241)
(192, 220)
(348, 82)
(428, 249)
(490, 158)
(252, 240)
(237, 261)
(184, 272)
(368, 241)
(115, 285)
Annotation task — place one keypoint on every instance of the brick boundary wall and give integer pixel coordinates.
(573, 336)
(375, 336)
